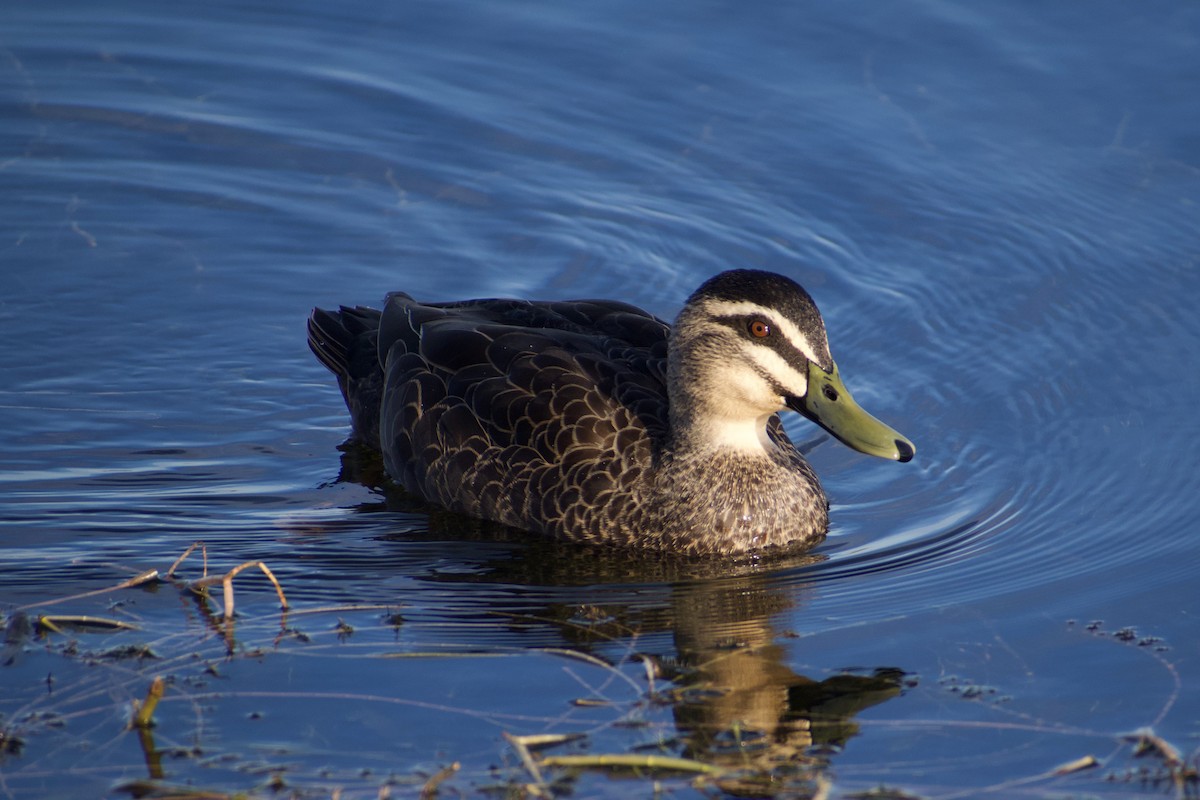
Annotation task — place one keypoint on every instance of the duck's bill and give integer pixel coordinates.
(829, 404)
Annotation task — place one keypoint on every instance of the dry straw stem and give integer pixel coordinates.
(593, 661)
(204, 559)
(539, 740)
(143, 713)
(226, 582)
(1079, 764)
(55, 622)
(160, 791)
(522, 749)
(136, 580)
(1147, 741)
(52, 623)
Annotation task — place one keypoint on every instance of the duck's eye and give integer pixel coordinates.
(759, 328)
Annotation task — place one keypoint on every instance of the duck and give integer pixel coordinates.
(593, 421)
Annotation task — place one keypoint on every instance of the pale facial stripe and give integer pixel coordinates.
(776, 371)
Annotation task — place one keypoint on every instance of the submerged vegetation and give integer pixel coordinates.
(184, 711)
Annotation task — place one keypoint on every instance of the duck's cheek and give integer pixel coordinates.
(740, 391)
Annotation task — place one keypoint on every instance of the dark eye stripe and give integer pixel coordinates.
(777, 341)
(776, 387)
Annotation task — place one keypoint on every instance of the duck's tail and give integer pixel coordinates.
(345, 341)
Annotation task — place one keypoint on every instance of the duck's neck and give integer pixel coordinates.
(706, 431)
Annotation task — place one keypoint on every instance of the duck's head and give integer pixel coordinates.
(748, 344)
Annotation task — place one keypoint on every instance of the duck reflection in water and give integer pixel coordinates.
(735, 700)
(741, 701)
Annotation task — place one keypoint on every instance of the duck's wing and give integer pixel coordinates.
(524, 413)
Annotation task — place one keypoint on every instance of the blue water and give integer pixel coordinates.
(995, 207)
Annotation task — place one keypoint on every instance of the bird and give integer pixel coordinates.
(593, 421)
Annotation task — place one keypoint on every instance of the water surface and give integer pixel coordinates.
(995, 208)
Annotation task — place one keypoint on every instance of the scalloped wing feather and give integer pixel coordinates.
(529, 414)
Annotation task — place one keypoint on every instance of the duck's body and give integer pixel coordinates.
(594, 421)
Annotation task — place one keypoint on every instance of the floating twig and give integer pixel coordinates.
(633, 761)
(430, 789)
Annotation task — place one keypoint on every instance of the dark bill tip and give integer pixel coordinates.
(906, 451)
